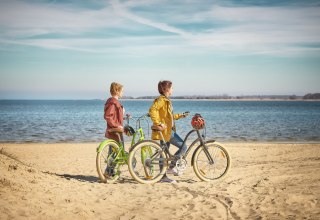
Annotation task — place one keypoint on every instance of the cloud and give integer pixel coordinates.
(22, 19)
(237, 29)
(122, 11)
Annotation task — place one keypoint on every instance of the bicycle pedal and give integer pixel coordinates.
(149, 177)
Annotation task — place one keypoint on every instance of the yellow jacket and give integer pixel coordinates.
(161, 113)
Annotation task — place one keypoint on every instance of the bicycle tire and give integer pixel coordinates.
(102, 162)
(217, 151)
(138, 171)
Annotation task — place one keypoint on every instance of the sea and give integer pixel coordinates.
(78, 121)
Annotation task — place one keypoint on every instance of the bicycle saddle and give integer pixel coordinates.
(157, 128)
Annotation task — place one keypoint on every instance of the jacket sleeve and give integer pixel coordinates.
(109, 115)
(177, 116)
(154, 111)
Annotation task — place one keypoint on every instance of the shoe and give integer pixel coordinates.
(109, 172)
(173, 171)
(165, 179)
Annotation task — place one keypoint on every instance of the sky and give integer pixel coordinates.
(74, 49)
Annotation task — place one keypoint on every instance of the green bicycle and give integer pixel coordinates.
(111, 155)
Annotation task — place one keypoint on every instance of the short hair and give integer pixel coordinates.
(163, 86)
(115, 88)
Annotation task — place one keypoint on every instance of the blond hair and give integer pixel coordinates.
(115, 88)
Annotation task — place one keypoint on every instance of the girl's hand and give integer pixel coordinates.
(163, 125)
(185, 114)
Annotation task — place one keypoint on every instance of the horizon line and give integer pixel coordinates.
(182, 97)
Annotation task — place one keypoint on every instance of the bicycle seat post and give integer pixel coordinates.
(122, 139)
(162, 137)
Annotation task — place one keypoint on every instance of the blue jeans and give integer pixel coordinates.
(178, 142)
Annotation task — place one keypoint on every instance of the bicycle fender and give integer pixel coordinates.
(104, 143)
(139, 142)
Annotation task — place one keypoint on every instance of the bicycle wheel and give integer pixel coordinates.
(106, 161)
(206, 170)
(147, 162)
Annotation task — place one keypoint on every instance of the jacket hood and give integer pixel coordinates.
(164, 98)
(113, 101)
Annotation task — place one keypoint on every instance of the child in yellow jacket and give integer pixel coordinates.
(161, 113)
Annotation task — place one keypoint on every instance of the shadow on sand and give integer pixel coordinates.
(91, 179)
(95, 179)
(82, 178)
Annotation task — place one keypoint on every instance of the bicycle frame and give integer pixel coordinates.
(139, 130)
(122, 156)
(200, 138)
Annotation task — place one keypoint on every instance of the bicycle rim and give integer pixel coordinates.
(107, 166)
(147, 162)
(206, 170)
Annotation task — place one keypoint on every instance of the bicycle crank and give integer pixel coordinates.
(181, 166)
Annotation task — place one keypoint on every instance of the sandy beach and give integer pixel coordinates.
(59, 181)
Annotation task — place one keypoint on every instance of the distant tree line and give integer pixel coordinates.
(312, 96)
(127, 97)
(224, 97)
(190, 97)
(275, 97)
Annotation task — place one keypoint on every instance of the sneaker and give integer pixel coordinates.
(172, 171)
(165, 179)
(109, 172)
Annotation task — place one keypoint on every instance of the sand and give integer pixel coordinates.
(59, 181)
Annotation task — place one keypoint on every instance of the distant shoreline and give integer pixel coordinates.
(223, 97)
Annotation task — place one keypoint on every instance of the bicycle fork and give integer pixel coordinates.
(205, 149)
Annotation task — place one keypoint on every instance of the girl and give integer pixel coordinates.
(113, 114)
(113, 111)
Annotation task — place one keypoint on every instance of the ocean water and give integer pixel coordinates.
(82, 120)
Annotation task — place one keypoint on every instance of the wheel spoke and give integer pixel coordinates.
(148, 164)
(221, 162)
(107, 167)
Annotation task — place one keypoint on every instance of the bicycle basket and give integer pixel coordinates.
(197, 122)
